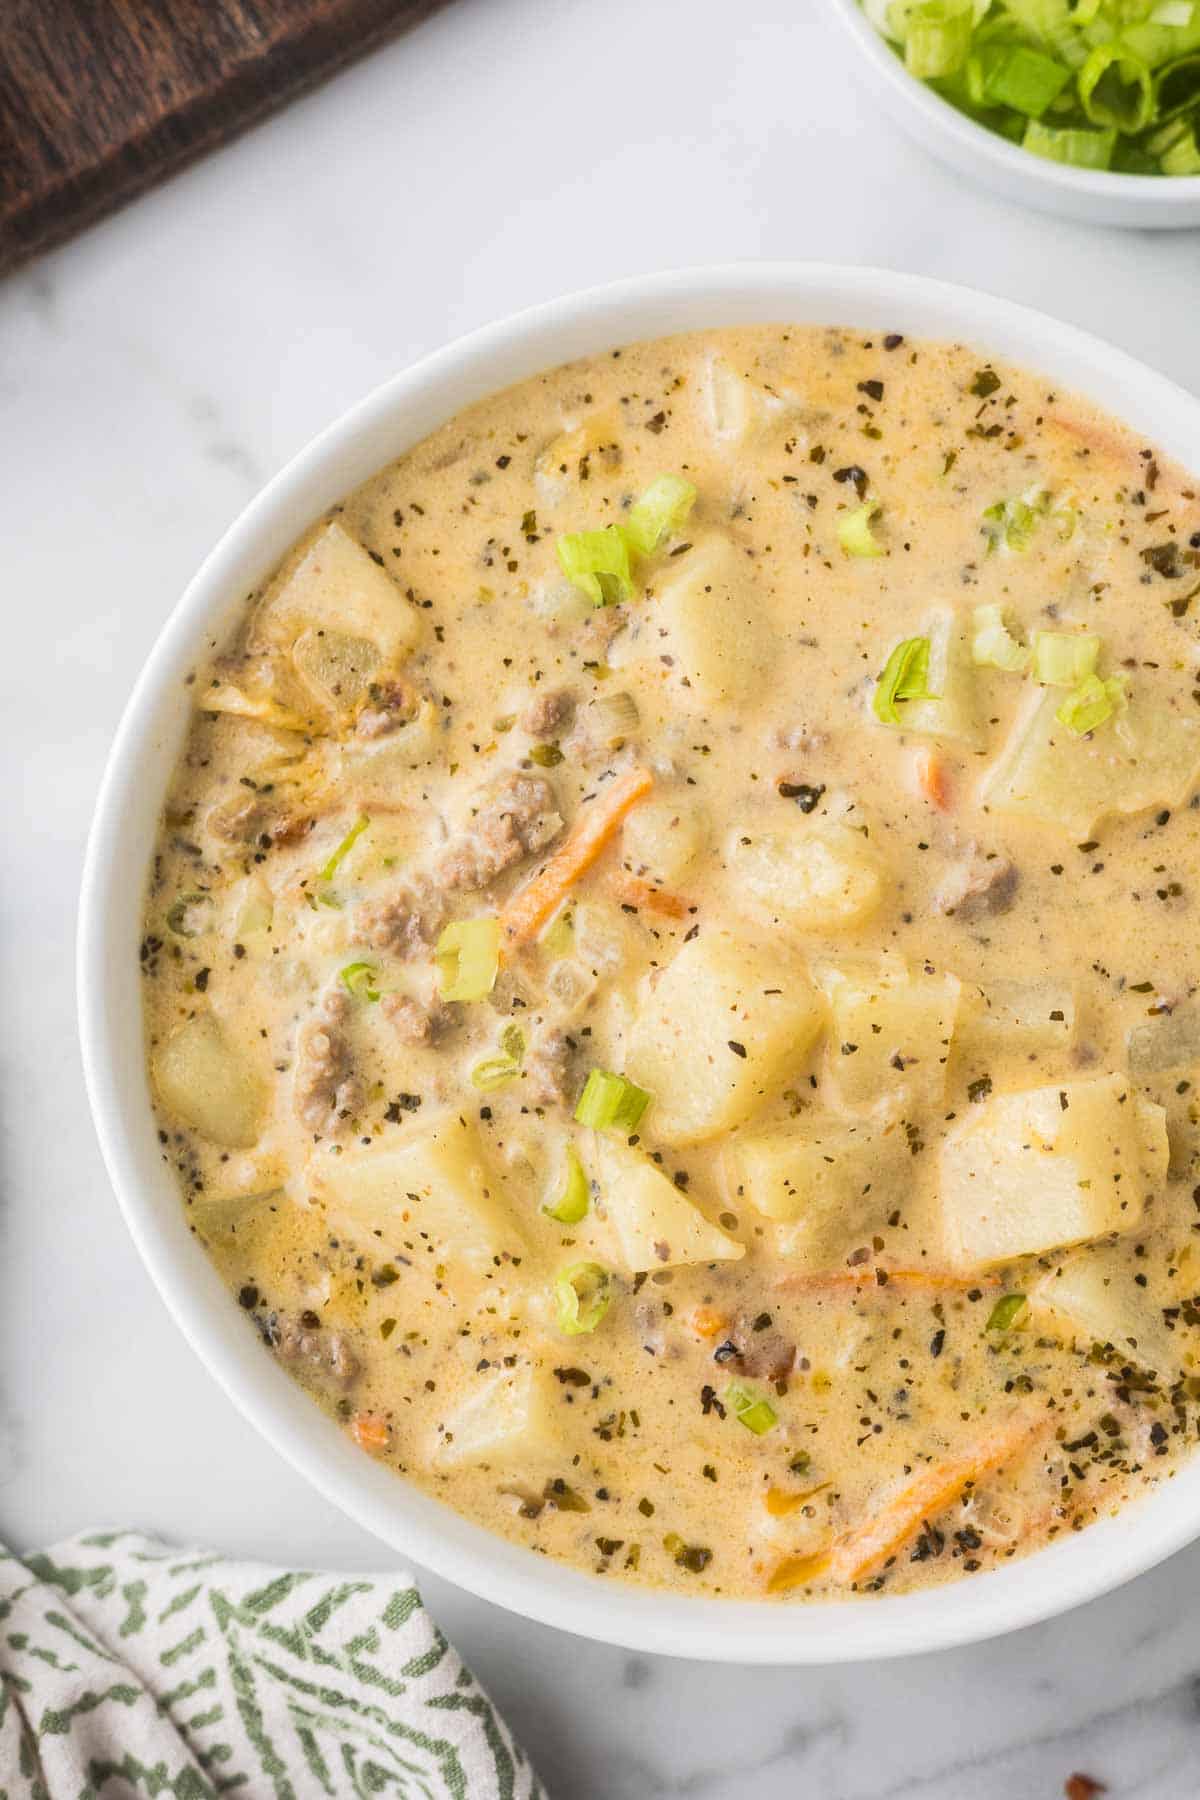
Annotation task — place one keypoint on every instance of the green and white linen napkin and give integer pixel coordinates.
(128, 1668)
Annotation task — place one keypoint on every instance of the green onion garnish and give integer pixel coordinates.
(468, 958)
(1088, 83)
(177, 914)
(1091, 704)
(659, 513)
(494, 1071)
(597, 562)
(750, 1409)
(610, 1103)
(1064, 658)
(572, 1204)
(905, 677)
(359, 979)
(343, 850)
(854, 531)
(581, 1298)
(1009, 525)
(1005, 1313)
(993, 645)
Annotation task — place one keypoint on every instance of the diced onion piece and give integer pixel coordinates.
(494, 1072)
(854, 531)
(359, 979)
(1091, 704)
(468, 958)
(581, 1298)
(750, 1409)
(905, 677)
(598, 564)
(659, 513)
(994, 646)
(1064, 658)
(180, 918)
(1116, 89)
(1070, 144)
(572, 1204)
(610, 1102)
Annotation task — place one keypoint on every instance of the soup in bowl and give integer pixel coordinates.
(666, 966)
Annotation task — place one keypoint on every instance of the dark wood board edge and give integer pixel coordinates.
(34, 218)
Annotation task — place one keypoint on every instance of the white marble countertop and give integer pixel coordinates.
(152, 375)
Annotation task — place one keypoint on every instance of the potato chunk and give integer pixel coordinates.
(725, 1025)
(889, 1033)
(707, 616)
(432, 1190)
(661, 838)
(1031, 1020)
(336, 588)
(952, 711)
(655, 1224)
(1093, 1298)
(740, 411)
(825, 1181)
(1053, 1165)
(817, 875)
(1148, 755)
(505, 1419)
(207, 1082)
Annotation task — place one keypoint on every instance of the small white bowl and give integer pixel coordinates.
(1091, 196)
(148, 740)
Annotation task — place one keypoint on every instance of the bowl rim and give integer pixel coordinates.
(1158, 191)
(389, 420)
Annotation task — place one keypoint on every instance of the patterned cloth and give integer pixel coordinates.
(131, 1669)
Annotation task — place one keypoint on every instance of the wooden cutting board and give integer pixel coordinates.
(99, 99)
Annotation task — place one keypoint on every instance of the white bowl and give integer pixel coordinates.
(396, 416)
(1093, 196)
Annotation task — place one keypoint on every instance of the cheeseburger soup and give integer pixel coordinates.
(671, 971)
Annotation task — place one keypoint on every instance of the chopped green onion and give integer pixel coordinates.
(750, 1409)
(1004, 1314)
(1117, 89)
(1172, 12)
(905, 677)
(558, 939)
(1091, 704)
(512, 1042)
(938, 38)
(1013, 75)
(597, 562)
(468, 958)
(1064, 658)
(177, 914)
(854, 531)
(494, 1072)
(343, 850)
(359, 978)
(659, 513)
(581, 1298)
(1070, 144)
(994, 646)
(1182, 155)
(1177, 88)
(572, 1204)
(609, 1102)
(1010, 525)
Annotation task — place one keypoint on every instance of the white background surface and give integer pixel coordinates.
(152, 375)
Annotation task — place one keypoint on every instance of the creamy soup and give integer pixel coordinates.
(670, 967)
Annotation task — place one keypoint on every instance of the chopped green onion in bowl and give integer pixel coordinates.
(1086, 83)
(582, 1294)
(611, 1103)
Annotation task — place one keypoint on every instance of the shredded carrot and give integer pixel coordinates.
(931, 779)
(631, 890)
(706, 1322)
(890, 1525)
(779, 1503)
(370, 1432)
(795, 1571)
(871, 1278)
(593, 830)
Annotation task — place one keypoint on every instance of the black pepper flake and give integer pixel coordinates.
(248, 1297)
(738, 1049)
(202, 976)
(873, 389)
(709, 1402)
(979, 1090)
(807, 797)
(937, 1343)
(893, 340)
(985, 383)
(856, 476)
